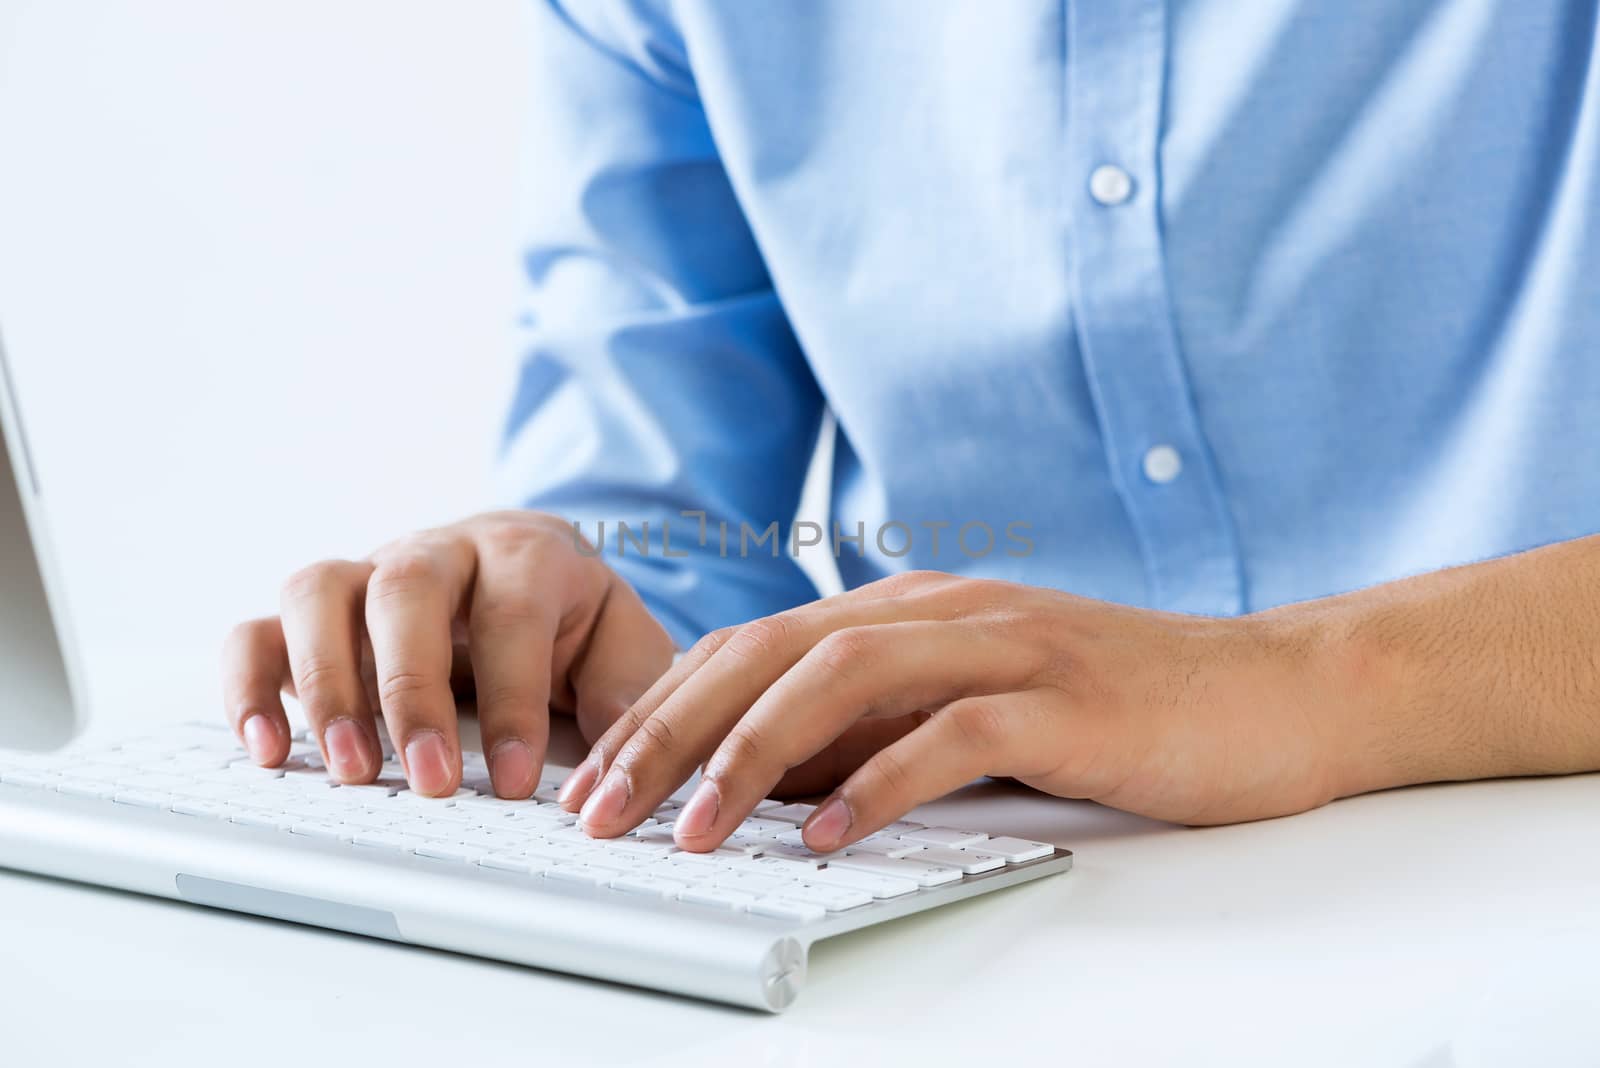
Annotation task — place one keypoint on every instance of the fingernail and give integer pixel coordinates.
(579, 783)
(428, 763)
(260, 738)
(511, 768)
(828, 825)
(344, 746)
(606, 803)
(701, 811)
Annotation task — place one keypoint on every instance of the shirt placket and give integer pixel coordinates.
(1159, 459)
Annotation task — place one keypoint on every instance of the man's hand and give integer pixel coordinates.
(1177, 717)
(505, 602)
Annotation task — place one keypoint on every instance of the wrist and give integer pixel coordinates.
(1342, 670)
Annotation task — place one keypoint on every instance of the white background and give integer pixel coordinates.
(258, 280)
(258, 277)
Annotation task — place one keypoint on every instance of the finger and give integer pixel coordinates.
(843, 755)
(321, 612)
(413, 596)
(908, 595)
(515, 609)
(613, 737)
(665, 747)
(960, 742)
(888, 670)
(628, 653)
(255, 664)
(647, 754)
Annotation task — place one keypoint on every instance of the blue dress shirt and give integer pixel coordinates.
(1214, 304)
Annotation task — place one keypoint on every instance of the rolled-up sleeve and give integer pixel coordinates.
(659, 373)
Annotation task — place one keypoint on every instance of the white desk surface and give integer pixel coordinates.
(1440, 926)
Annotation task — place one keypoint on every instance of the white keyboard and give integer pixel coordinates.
(197, 777)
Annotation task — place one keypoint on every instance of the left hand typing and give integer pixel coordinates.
(902, 690)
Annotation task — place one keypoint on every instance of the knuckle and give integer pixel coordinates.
(312, 581)
(908, 582)
(401, 688)
(658, 734)
(318, 685)
(761, 637)
(503, 535)
(401, 573)
(507, 697)
(710, 643)
(890, 770)
(744, 745)
(979, 724)
(844, 652)
(501, 614)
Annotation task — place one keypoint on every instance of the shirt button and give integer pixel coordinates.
(1162, 464)
(1110, 185)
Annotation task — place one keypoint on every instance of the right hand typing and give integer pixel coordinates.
(503, 605)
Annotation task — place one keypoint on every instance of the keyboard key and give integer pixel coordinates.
(794, 814)
(759, 827)
(924, 875)
(871, 883)
(787, 909)
(798, 855)
(944, 836)
(29, 777)
(524, 865)
(699, 862)
(649, 885)
(970, 861)
(749, 845)
(367, 791)
(543, 815)
(788, 867)
(153, 782)
(257, 817)
(718, 897)
(884, 846)
(1018, 850)
(249, 769)
(209, 809)
(749, 881)
(75, 787)
(205, 759)
(309, 779)
(834, 898)
(451, 851)
(497, 841)
(586, 874)
(557, 852)
(638, 846)
(424, 802)
(332, 832)
(628, 862)
(901, 827)
(398, 843)
(143, 798)
(479, 803)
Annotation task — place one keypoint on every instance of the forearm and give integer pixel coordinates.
(1487, 670)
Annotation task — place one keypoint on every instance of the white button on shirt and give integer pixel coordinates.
(1162, 464)
(1110, 185)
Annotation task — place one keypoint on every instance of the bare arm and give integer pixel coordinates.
(893, 694)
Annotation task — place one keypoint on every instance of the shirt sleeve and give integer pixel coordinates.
(659, 373)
